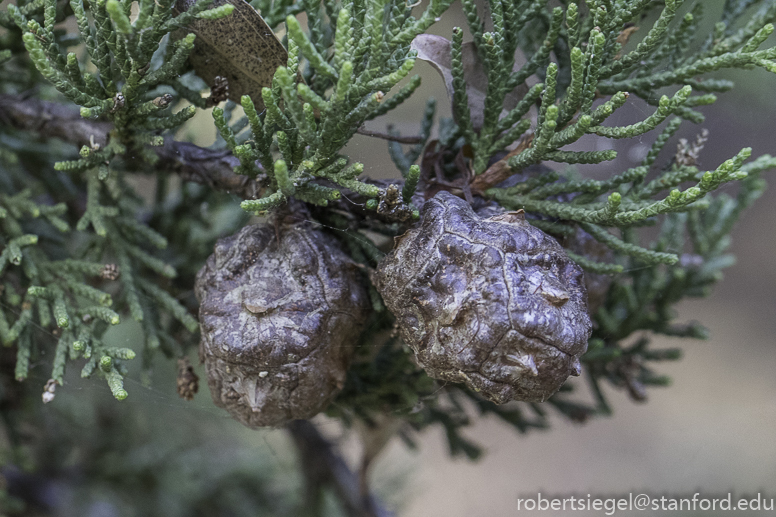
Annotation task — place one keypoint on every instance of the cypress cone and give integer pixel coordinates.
(279, 322)
(494, 303)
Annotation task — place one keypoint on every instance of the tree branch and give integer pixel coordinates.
(214, 168)
(394, 138)
(190, 162)
(51, 119)
(323, 466)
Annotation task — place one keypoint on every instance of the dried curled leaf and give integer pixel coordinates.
(279, 323)
(240, 47)
(494, 303)
(437, 51)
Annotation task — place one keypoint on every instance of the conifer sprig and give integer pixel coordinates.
(567, 113)
(305, 127)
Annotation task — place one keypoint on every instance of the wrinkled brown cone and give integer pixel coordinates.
(494, 303)
(279, 322)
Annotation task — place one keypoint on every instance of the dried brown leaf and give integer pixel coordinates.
(240, 47)
(500, 170)
(437, 51)
(623, 37)
(625, 34)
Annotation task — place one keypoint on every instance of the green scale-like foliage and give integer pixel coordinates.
(306, 124)
(128, 91)
(603, 68)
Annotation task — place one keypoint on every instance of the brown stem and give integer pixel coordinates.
(500, 170)
(323, 466)
(385, 136)
(212, 168)
(51, 119)
(190, 162)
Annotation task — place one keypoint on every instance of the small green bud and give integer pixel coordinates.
(37, 291)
